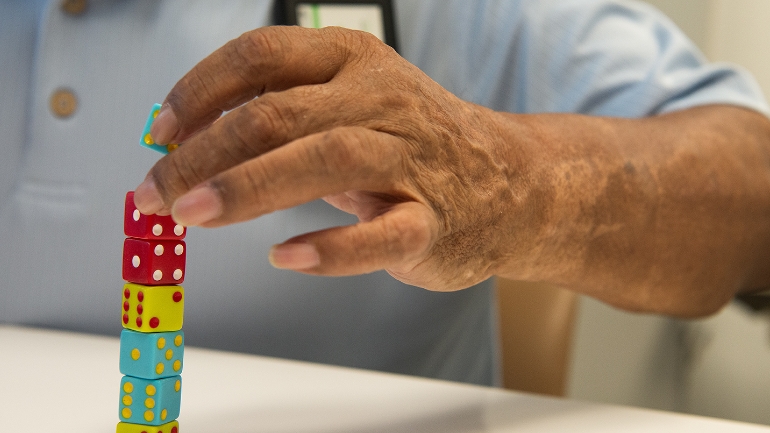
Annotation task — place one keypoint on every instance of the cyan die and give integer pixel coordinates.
(147, 141)
(151, 355)
(150, 402)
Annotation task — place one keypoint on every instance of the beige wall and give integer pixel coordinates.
(690, 15)
(739, 32)
(735, 31)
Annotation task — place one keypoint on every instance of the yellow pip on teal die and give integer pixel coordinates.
(147, 140)
(150, 402)
(170, 427)
(151, 355)
(152, 308)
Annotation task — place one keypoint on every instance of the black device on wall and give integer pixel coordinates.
(308, 13)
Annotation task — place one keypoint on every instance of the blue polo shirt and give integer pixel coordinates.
(62, 180)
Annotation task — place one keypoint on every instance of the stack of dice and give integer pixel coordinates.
(152, 341)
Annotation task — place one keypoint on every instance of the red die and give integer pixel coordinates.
(138, 225)
(151, 262)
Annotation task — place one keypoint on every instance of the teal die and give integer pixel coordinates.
(146, 139)
(151, 355)
(150, 402)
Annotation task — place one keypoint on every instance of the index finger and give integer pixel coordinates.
(263, 60)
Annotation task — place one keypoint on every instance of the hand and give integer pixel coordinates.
(449, 193)
(339, 116)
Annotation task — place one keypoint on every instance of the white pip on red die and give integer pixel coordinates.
(141, 226)
(152, 262)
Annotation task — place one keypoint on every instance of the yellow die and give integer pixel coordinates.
(171, 427)
(153, 308)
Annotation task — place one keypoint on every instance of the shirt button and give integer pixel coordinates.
(63, 103)
(74, 7)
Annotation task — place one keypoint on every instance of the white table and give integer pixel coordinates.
(62, 382)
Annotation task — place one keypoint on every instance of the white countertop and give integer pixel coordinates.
(62, 382)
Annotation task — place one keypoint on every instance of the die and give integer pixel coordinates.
(150, 402)
(147, 141)
(151, 355)
(141, 226)
(171, 427)
(152, 308)
(154, 262)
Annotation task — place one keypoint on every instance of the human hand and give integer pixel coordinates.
(340, 116)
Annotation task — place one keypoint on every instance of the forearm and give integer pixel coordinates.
(668, 214)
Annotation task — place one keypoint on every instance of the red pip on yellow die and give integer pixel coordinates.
(152, 308)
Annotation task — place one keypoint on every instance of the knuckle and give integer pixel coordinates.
(367, 38)
(340, 151)
(269, 119)
(261, 48)
(357, 152)
(353, 39)
(346, 44)
(193, 95)
(397, 241)
(409, 236)
(243, 190)
(336, 41)
(253, 52)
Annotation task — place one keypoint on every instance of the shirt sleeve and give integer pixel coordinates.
(620, 58)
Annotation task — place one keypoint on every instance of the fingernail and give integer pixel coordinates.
(165, 127)
(198, 206)
(146, 197)
(294, 256)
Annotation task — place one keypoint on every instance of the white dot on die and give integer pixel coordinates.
(136, 215)
(135, 261)
(178, 230)
(157, 275)
(158, 250)
(157, 229)
(179, 249)
(177, 274)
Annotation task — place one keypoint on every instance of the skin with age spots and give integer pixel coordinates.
(668, 214)
(641, 238)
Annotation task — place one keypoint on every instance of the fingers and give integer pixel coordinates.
(263, 60)
(401, 238)
(319, 165)
(246, 132)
